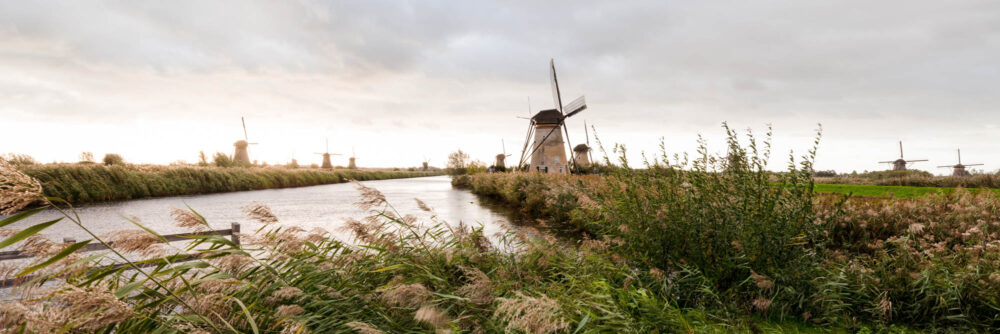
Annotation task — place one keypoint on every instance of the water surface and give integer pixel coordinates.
(324, 206)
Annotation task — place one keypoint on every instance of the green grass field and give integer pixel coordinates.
(886, 191)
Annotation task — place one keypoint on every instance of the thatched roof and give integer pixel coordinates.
(581, 148)
(548, 116)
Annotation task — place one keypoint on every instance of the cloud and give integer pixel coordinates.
(385, 71)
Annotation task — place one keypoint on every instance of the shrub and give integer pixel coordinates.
(113, 159)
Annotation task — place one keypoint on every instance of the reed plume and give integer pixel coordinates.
(530, 314)
(17, 190)
(189, 220)
(364, 328)
(261, 213)
(405, 295)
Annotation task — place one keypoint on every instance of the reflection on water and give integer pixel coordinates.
(325, 206)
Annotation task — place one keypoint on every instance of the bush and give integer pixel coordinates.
(111, 159)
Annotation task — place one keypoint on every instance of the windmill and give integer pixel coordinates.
(959, 169)
(350, 161)
(241, 155)
(581, 153)
(500, 166)
(326, 156)
(426, 161)
(547, 152)
(900, 164)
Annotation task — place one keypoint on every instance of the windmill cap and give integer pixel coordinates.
(548, 116)
(581, 148)
(240, 143)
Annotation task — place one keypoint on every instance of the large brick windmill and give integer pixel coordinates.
(547, 151)
(900, 164)
(959, 169)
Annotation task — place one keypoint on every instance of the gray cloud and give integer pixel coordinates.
(870, 71)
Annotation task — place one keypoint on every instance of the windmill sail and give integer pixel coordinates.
(576, 106)
(556, 97)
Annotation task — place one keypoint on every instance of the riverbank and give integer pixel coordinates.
(738, 247)
(92, 183)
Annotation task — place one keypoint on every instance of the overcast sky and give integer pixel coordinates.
(404, 80)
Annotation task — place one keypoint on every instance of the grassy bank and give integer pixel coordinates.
(734, 245)
(865, 190)
(914, 178)
(88, 183)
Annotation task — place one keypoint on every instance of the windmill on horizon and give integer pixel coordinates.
(900, 164)
(241, 154)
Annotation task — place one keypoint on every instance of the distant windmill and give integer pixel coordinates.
(502, 157)
(350, 162)
(426, 161)
(959, 169)
(581, 153)
(241, 155)
(547, 152)
(900, 164)
(326, 156)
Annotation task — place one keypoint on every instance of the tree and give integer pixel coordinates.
(223, 160)
(113, 159)
(457, 161)
(87, 157)
(202, 159)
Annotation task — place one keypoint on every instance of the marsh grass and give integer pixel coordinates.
(915, 178)
(732, 240)
(78, 184)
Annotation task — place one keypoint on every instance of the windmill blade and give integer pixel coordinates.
(886, 162)
(974, 165)
(916, 160)
(504, 147)
(900, 149)
(244, 121)
(527, 137)
(556, 96)
(576, 106)
(585, 132)
(946, 166)
(562, 124)
(252, 143)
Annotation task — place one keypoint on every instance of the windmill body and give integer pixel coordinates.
(549, 147)
(959, 169)
(581, 156)
(350, 161)
(501, 163)
(241, 154)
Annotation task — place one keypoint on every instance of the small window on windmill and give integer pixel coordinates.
(557, 160)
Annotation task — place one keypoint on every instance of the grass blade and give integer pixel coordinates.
(64, 253)
(27, 233)
(20, 215)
